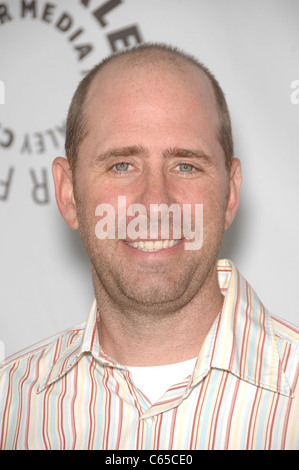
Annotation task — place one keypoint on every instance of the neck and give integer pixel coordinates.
(145, 336)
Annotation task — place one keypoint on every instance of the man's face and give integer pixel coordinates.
(152, 137)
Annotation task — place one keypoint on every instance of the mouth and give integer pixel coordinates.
(151, 246)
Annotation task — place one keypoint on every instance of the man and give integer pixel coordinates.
(177, 352)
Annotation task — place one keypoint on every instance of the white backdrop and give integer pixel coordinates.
(45, 47)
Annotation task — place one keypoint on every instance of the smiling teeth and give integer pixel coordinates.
(151, 245)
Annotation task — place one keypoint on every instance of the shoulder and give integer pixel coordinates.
(44, 352)
(287, 339)
(285, 330)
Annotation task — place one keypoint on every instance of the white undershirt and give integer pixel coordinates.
(154, 381)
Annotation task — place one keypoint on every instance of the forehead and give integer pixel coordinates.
(155, 104)
(150, 79)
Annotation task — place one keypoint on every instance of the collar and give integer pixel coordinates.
(241, 340)
(73, 345)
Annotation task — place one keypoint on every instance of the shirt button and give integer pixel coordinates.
(149, 421)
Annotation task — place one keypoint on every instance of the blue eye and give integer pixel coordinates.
(121, 166)
(185, 167)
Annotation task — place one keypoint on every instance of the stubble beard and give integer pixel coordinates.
(154, 293)
(158, 291)
(151, 292)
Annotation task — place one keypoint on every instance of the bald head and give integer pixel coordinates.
(155, 60)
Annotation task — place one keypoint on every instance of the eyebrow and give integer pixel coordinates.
(187, 153)
(139, 150)
(123, 152)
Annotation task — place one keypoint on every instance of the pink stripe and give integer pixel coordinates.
(92, 418)
(231, 412)
(73, 417)
(7, 406)
(34, 382)
(197, 415)
(216, 410)
(172, 428)
(245, 339)
(235, 322)
(20, 402)
(255, 408)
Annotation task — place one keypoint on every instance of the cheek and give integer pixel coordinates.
(90, 192)
(212, 196)
(214, 205)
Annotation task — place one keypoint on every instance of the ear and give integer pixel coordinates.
(64, 191)
(233, 197)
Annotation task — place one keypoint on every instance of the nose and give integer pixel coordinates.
(163, 214)
(155, 190)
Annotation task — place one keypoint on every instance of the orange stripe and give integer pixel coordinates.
(73, 401)
(245, 339)
(230, 416)
(253, 419)
(235, 322)
(172, 428)
(34, 382)
(92, 418)
(216, 410)
(7, 406)
(20, 402)
(46, 412)
(198, 411)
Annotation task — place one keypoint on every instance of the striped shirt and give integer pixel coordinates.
(243, 393)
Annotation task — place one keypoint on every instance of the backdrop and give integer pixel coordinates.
(45, 48)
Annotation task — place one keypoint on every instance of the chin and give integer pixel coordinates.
(156, 296)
